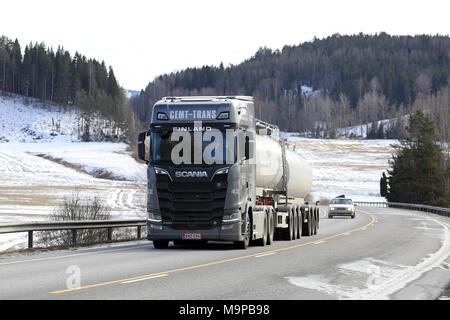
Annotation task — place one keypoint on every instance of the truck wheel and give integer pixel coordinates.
(295, 226)
(318, 217)
(160, 244)
(307, 226)
(288, 232)
(314, 224)
(263, 241)
(299, 226)
(244, 243)
(270, 228)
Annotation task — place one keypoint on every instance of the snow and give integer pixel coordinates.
(42, 162)
(32, 187)
(95, 158)
(25, 119)
(350, 167)
(35, 122)
(307, 91)
(357, 132)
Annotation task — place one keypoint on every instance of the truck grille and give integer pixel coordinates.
(192, 205)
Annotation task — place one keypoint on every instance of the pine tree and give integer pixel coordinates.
(372, 134)
(420, 172)
(383, 185)
(380, 131)
(62, 65)
(113, 88)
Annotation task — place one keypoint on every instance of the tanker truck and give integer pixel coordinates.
(216, 173)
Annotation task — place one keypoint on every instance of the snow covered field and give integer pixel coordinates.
(350, 167)
(31, 186)
(41, 163)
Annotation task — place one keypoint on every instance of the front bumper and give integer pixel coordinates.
(341, 213)
(226, 232)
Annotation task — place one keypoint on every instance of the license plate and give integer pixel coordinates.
(191, 236)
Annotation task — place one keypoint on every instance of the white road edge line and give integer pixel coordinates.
(319, 242)
(75, 254)
(263, 255)
(136, 280)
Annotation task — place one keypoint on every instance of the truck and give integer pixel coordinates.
(216, 173)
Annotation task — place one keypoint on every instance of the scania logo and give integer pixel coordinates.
(191, 174)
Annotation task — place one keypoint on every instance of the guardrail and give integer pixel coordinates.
(74, 226)
(409, 206)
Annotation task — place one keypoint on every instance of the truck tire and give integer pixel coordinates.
(306, 227)
(270, 227)
(244, 243)
(314, 223)
(263, 241)
(160, 244)
(295, 226)
(288, 232)
(299, 226)
(318, 217)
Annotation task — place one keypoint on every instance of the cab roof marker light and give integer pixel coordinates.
(223, 115)
(162, 116)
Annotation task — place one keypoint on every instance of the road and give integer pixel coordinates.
(381, 254)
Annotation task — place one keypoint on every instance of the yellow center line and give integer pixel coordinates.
(220, 261)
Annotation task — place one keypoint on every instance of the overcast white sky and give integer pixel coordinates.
(143, 39)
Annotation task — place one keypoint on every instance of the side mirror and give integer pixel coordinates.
(317, 203)
(144, 146)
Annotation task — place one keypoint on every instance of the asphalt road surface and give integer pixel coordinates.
(381, 254)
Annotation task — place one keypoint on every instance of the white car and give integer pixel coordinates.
(341, 207)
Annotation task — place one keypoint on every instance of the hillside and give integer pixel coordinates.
(74, 82)
(24, 119)
(356, 79)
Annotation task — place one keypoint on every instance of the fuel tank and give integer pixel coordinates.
(269, 168)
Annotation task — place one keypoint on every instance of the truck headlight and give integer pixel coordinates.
(154, 217)
(234, 217)
(162, 172)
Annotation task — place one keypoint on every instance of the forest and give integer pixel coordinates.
(356, 79)
(57, 77)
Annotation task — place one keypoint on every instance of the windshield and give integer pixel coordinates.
(184, 145)
(341, 201)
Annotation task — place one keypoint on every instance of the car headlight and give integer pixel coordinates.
(331, 208)
(235, 216)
